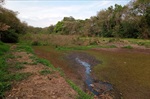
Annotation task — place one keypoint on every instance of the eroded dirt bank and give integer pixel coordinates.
(37, 86)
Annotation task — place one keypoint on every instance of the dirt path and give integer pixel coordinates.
(37, 86)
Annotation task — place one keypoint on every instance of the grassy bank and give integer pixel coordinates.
(55, 56)
(4, 83)
(125, 62)
(74, 42)
(8, 69)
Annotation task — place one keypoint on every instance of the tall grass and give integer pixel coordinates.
(49, 39)
(75, 40)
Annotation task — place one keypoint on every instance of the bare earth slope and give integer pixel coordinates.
(37, 86)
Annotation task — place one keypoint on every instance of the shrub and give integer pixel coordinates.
(128, 47)
(10, 37)
(36, 43)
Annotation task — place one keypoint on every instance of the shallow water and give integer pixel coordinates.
(103, 86)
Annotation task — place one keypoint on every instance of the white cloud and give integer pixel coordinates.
(44, 13)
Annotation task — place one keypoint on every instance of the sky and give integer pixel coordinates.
(43, 13)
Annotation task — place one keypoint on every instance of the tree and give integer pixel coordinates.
(10, 25)
(59, 27)
(3, 27)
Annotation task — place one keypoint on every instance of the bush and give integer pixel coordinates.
(128, 47)
(10, 36)
(36, 43)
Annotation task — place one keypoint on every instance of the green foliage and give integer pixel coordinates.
(82, 95)
(20, 76)
(24, 47)
(4, 86)
(19, 66)
(45, 72)
(9, 36)
(9, 18)
(6, 76)
(107, 46)
(44, 62)
(58, 27)
(140, 42)
(50, 29)
(115, 21)
(36, 43)
(3, 48)
(128, 47)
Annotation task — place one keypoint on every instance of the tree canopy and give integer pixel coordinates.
(10, 25)
(129, 21)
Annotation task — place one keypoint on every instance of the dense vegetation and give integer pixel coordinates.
(129, 21)
(10, 25)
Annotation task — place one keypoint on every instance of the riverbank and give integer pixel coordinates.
(124, 68)
(37, 78)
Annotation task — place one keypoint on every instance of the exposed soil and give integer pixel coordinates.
(37, 86)
(58, 60)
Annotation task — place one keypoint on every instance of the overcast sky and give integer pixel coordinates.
(43, 13)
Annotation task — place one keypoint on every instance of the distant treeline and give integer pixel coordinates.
(129, 21)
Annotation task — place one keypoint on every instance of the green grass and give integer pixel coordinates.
(46, 49)
(20, 76)
(4, 84)
(128, 47)
(24, 47)
(15, 66)
(6, 76)
(3, 48)
(140, 42)
(82, 94)
(84, 47)
(45, 72)
(19, 66)
(107, 46)
(14, 77)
